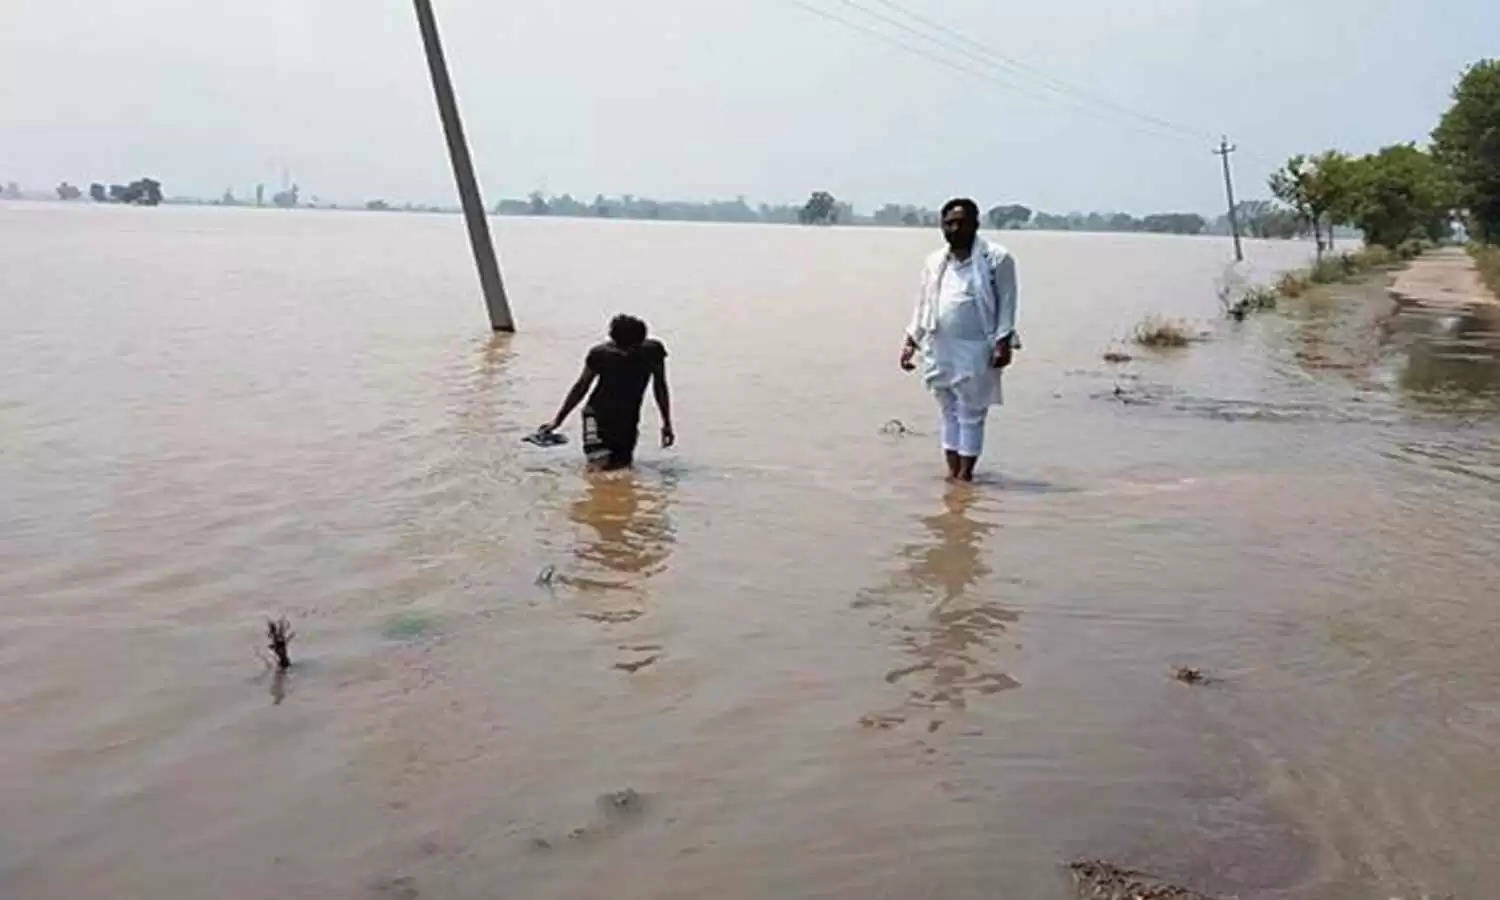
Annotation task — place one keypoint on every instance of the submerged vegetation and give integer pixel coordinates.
(1328, 270)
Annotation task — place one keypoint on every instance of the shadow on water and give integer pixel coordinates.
(940, 618)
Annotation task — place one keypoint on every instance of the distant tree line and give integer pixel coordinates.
(629, 206)
(823, 208)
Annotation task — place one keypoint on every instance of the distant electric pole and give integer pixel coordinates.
(1226, 148)
(463, 173)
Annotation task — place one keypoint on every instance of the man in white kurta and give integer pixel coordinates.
(964, 328)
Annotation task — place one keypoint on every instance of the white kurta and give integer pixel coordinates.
(980, 311)
(959, 354)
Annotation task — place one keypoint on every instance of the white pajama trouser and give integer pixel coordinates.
(963, 422)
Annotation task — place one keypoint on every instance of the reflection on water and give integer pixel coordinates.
(951, 640)
(1451, 354)
(631, 530)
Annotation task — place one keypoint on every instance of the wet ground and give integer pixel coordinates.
(783, 659)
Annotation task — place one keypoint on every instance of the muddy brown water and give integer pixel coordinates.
(817, 670)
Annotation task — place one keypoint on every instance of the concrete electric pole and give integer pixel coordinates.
(1226, 148)
(463, 173)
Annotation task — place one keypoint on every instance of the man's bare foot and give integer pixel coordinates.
(966, 467)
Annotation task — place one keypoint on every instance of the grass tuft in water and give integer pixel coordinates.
(1158, 331)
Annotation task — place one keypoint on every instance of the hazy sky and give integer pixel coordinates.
(713, 98)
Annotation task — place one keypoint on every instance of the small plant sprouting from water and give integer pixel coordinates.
(1157, 331)
(278, 635)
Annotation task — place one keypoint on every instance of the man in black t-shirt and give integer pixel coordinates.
(611, 418)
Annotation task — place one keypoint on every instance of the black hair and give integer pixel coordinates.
(627, 331)
(970, 208)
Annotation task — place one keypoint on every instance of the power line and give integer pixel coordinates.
(1051, 81)
(990, 75)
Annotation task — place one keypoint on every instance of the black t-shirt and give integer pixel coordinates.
(623, 376)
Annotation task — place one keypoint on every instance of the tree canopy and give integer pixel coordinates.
(1467, 142)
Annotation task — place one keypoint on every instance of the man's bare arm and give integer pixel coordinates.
(663, 403)
(576, 393)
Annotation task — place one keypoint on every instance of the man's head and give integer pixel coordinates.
(960, 220)
(627, 331)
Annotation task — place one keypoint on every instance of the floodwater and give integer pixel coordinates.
(781, 660)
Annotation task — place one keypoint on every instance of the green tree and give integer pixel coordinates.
(1264, 219)
(1334, 184)
(821, 209)
(1467, 142)
(1292, 185)
(1010, 216)
(1400, 193)
(1319, 189)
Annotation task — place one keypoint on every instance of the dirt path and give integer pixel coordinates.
(1443, 279)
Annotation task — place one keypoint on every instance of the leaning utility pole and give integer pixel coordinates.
(463, 173)
(1226, 148)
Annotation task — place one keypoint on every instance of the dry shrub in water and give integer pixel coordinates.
(1374, 256)
(1327, 270)
(1291, 284)
(1156, 331)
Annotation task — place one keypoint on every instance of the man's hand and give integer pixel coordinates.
(908, 350)
(1002, 353)
(668, 436)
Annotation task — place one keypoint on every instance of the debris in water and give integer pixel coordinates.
(613, 617)
(632, 667)
(619, 801)
(544, 577)
(1189, 675)
(404, 888)
(279, 633)
(1117, 356)
(896, 675)
(1096, 879)
(881, 720)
